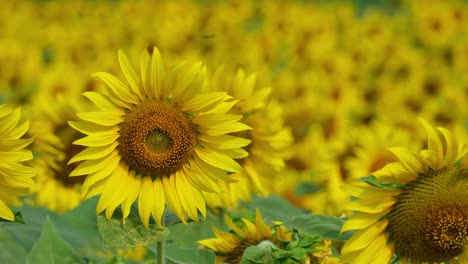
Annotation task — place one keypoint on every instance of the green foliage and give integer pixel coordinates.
(182, 255)
(326, 226)
(372, 180)
(273, 208)
(51, 248)
(11, 251)
(131, 234)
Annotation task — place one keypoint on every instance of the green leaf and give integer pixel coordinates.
(51, 248)
(372, 180)
(187, 235)
(131, 234)
(256, 254)
(322, 225)
(189, 255)
(305, 188)
(273, 208)
(11, 251)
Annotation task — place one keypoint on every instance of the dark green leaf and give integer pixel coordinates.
(11, 251)
(305, 188)
(131, 234)
(256, 254)
(372, 180)
(322, 225)
(273, 208)
(189, 255)
(51, 248)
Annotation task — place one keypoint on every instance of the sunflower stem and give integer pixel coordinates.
(161, 248)
(160, 254)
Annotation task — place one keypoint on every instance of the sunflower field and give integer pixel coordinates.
(236, 131)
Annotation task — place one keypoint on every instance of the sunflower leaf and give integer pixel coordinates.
(372, 180)
(326, 226)
(131, 234)
(11, 251)
(51, 248)
(188, 255)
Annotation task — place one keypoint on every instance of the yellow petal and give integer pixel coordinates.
(145, 200)
(451, 146)
(134, 185)
(218, 160)
(187, 195)
(370, 205)
(364, 238)
(172, 198)
(6, 212)
(98, 139)
(262, 228)
(90, 128)
(159, 201)
(92, 166)
(202, 101)
(158, 72)
(123, 96)
(225, 141)
(411, 160)
(129, 73)
(103, 103)
(433, 143)
(102, 118)
(94, 153)
(361, 221)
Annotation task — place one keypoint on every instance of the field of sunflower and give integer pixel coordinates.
(235, 131)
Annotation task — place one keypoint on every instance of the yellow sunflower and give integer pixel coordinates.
(158, 139)
(417, 209)
(54, 149)
(229, 247)
(270, 139)
(15, 178)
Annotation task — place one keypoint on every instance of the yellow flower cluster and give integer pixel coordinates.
(236, 98)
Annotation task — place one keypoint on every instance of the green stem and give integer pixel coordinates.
(160, 255)
(161, 248)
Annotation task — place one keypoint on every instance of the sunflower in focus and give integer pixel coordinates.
(15, 178)
(416, 209)
(158, 139)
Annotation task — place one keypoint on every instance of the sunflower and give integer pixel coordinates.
(416, 209)
(270, 139)
(158, 139)
(15, 178)
(53, 148)
(229, 247)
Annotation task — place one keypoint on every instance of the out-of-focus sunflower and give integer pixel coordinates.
(418, 208)
(54, 147)
(158, 139)
(15, 178)
(230, 247)
(270, 140)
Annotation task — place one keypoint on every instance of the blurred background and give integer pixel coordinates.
(351, 77)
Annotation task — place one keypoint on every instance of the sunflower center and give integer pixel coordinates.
(156, 139)
(62, 170)
(429, 221)
(236, 254)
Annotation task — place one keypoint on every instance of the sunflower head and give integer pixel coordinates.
(417, 207)
(16, 176)
(157, 138)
